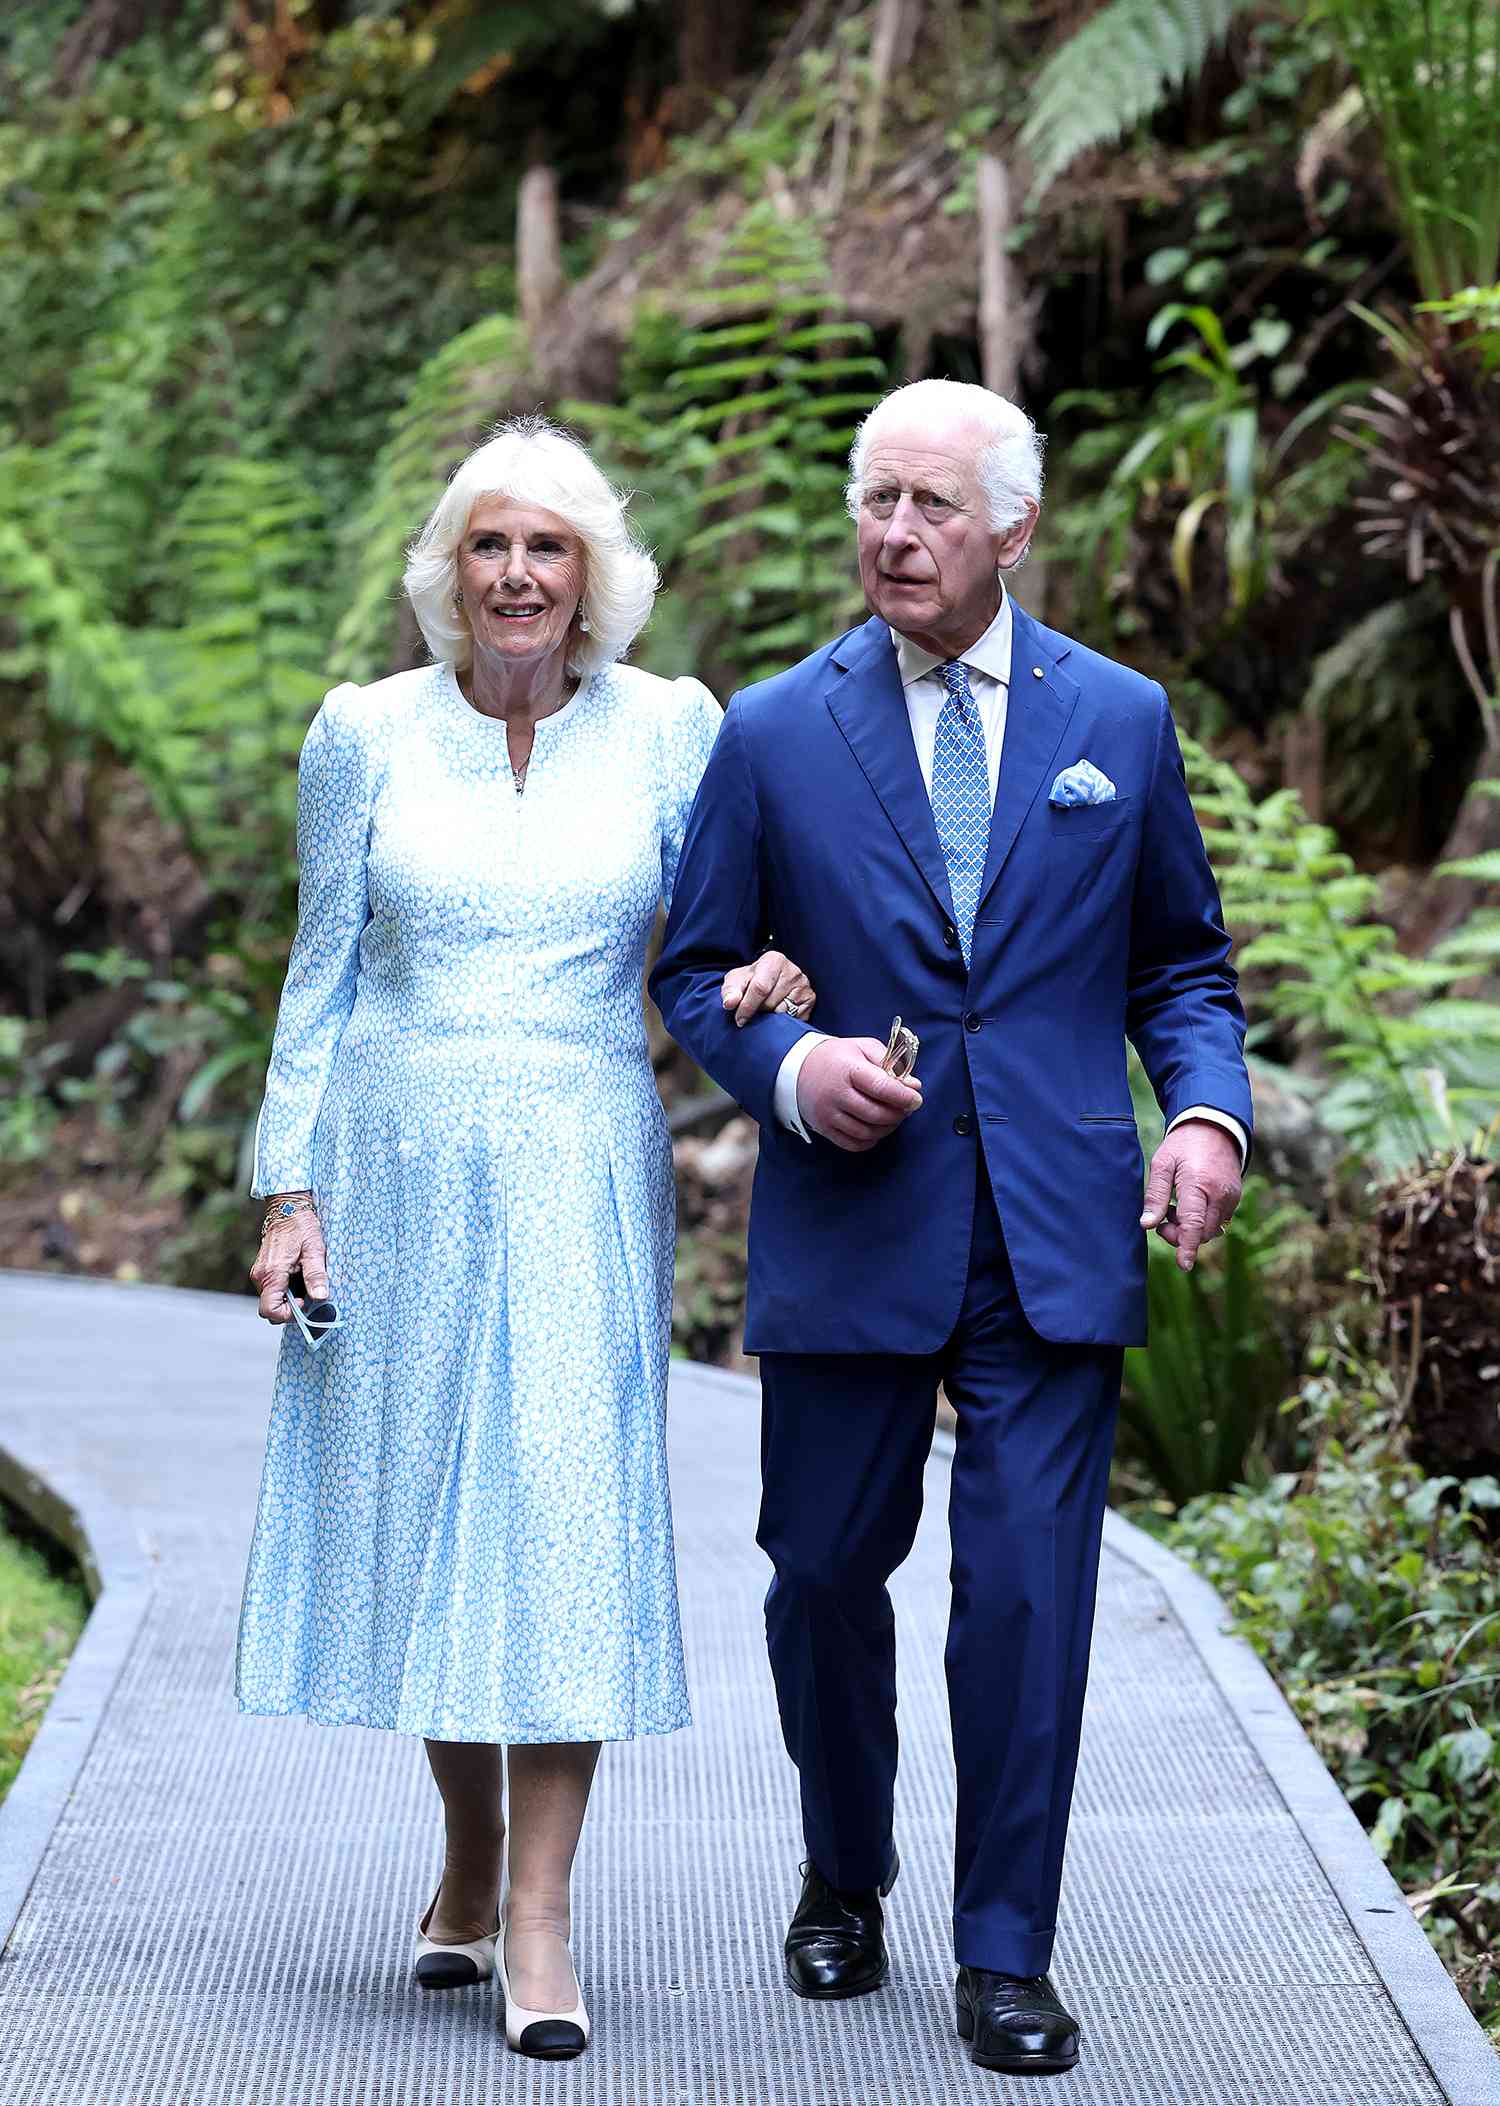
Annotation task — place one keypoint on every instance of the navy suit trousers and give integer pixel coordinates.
(844, 1441)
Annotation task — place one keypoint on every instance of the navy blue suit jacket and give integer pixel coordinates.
(813, 829)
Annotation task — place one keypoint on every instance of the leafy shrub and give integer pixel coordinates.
(1200, 1402)
(223, 294)
(1196, 456)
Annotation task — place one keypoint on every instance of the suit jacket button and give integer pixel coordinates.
(963, 1124)
(950, 935)
(971, 1022)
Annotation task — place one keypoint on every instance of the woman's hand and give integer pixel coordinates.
(770, 983)
(288, 1245)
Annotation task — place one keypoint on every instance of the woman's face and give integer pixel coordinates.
(521, 569)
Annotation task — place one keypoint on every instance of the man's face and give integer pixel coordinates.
(928, 557)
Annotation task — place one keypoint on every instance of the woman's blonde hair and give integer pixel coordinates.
(533, 463)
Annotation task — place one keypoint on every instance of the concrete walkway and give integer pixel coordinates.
(216, 1911)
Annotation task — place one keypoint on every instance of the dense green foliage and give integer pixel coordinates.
(1425, 84)
(1373, 1593)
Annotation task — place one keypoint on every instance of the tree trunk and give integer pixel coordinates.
(1000, 314)
(890, 46)
(539, 271)
(104, 28)
(712, 37)
(1302, 760)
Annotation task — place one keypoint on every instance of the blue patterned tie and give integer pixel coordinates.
(961, 796)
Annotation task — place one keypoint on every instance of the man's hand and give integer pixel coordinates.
(767, 983)
(845, 1094)
(1202, 1161)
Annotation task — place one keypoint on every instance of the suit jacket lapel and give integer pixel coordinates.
(869, 706)
(1037, 714)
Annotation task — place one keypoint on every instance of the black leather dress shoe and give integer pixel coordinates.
(1015, 2022)
(835, 1945)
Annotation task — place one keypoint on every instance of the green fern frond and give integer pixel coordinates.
(241, 669)
(129, 428)
(736, 438)
(99, 692)
(1120, 68)
(1326, 969)
(210, 711)
(453, 396)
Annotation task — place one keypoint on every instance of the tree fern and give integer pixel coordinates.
(453, 396)
(1120, 68)
(746, 440)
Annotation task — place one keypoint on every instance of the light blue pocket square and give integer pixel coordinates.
(1082, 784)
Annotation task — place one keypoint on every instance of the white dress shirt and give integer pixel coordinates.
(988, 665)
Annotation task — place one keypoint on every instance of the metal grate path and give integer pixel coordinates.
(222, 1915)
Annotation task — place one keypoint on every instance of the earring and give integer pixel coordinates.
(583, 624)
(458, 595)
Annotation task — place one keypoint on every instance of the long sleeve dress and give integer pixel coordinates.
(464, 1528)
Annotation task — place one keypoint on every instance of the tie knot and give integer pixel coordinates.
(956, 679)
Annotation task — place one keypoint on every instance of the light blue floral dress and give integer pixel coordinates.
(464, 1528)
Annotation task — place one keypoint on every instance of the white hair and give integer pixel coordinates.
(531, 462)
(1008, 461)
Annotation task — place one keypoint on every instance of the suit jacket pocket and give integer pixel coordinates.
(1087, 822)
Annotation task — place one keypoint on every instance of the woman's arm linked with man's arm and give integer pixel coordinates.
(753, 981)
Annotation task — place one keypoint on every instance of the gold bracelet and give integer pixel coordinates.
(284, 1212)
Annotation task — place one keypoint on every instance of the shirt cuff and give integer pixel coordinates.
(784, 1097)
(1215, 1118)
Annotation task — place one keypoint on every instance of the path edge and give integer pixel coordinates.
(118, 1579)
(1450, 2039)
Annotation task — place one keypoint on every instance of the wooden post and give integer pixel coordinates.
(1000, 322)
(539, 272)
(890, 33)
(1302, 759)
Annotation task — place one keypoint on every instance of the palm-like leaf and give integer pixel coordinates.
(1120, 68)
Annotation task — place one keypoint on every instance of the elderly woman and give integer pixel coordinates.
(464, 1528)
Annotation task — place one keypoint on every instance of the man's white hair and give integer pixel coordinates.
(531, 462)
(1008, 460)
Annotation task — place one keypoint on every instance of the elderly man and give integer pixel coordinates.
(958, 816)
